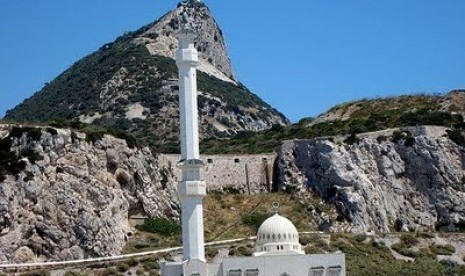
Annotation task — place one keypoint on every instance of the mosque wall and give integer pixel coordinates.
(226, 172)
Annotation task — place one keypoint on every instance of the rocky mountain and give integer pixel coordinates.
(131, 85)
(400, 179)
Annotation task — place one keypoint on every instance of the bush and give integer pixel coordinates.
(403, 250)
(310, 249)
(32, 132)
(425, 235)
(254, 220)
(150, 263)
(74, 273)
(360, 237)
(457, 137)
(38, 273)
(161, 226)
(132, 262)
(408, 239)
(122, 267)
(397, 136)
(111, 271)
(442, 249)
(351, 139)
(410, 141)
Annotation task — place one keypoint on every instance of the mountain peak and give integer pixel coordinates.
(131, 85)
(161, 39)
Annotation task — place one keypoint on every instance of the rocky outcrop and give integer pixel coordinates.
(161, 39)
(73, 197)
(411, 180)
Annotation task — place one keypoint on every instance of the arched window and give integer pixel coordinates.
(251, 272)
(235, 272)
(334, 271)
(316, 271)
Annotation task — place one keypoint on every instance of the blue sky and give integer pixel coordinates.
(301, 56)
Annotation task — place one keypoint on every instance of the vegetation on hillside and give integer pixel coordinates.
(235, 216)
(366, 116)
(12, 162)
(105, 85)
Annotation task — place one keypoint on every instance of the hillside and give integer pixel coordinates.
(353, 118)
(130, 85)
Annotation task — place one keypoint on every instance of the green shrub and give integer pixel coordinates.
(74, 273)
(310, 249)
(160, 226)
(122, 267)
(425, 235)
(111, 271)
(410, 141)
(403, 250)
(457, 137)
(397, 136)
(442, 249)
(38, 273)
(211, 252)
(255, 219)
(52, 131)
(241, 250)
(408, 239)
(32, 132)
(351, 139)
(360, 237)
(150, 263)
(132, 262)
(10, 163)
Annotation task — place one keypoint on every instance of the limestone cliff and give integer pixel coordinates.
(383, 181)
(72, 194)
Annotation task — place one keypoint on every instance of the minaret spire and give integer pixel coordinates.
(191, 189)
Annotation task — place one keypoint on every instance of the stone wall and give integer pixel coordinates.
(243, 173)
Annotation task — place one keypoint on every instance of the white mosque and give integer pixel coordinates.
(278, 251)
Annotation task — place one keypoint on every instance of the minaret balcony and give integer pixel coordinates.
(192, 188)
(187, 57)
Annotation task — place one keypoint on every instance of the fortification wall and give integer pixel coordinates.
(243, 173)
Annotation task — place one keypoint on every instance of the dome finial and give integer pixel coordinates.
(275, 206)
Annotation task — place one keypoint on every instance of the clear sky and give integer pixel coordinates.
(301, 56)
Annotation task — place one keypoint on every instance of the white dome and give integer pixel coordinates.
(277, 234)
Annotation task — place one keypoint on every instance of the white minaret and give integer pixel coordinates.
(191, 189)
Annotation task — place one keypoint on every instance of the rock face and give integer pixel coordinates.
(161, 39)
(383, 182)
(73, 197)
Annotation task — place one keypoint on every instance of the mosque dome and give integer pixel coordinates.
(278, 235)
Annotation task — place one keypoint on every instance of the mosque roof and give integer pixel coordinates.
(277, 229)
